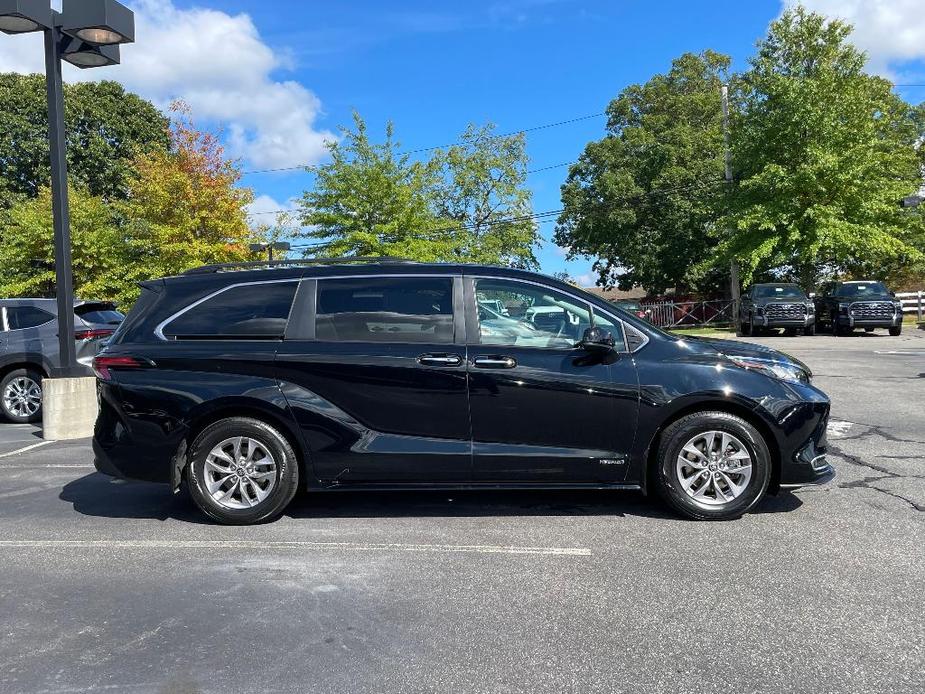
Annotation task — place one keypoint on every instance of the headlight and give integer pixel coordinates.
(843, 307)
(810, 308)
(759, 310)
(782, 371)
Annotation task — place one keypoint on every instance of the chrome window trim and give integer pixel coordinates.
(582, 300)
(159, 329)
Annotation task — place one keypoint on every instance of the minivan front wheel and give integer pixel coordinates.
(712, 466)
(21, 396)
(242, 471)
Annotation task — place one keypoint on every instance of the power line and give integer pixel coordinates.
(545, 126)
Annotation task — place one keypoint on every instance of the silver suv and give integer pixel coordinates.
(29, 348)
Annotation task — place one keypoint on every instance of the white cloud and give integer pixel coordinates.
(220, 66)
(265, 208)
(587, 279)
(891, 31)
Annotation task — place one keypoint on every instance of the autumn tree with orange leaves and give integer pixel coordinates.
(183, 208)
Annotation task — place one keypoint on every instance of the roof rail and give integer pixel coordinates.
(257, 264)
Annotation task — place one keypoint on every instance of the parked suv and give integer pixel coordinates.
(249, 384)
(776, 305)
(844, 306)
(29, 348)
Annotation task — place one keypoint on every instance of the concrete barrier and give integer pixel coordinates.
(69, 408)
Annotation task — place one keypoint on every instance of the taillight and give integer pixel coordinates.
(91, 334)
(102, 364)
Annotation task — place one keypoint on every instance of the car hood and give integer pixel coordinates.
(711, 345)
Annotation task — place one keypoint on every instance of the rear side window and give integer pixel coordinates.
(22, 317)
(401, 309)
(249, 311)
(100, 315)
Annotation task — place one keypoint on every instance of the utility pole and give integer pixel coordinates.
(734, 288)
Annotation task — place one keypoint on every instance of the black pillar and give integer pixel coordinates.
(64, 289)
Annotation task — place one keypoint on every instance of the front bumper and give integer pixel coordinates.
(852, 322)
(807, 463)
(771, 322)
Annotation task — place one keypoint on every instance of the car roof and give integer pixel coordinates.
(246, 275)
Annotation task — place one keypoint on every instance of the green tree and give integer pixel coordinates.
(645, 198)
(106, 128)
(184, 206)
(823, 152)
(370, 200)
(183, 209)
(27, 248)
(455, 206)
(483, 191)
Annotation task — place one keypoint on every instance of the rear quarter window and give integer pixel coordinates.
(22, 317)
(249, 311)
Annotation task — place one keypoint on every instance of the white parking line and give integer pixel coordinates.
(27, 448)
(292, 544)
(901, 352)
(838, 428)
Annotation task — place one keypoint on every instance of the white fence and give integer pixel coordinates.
(913, 302)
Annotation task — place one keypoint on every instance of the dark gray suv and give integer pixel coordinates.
(29, 348)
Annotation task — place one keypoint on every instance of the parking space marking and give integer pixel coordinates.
(24, 450)
(70, 466)
(901, 352)
(293, 544)
(838, 428)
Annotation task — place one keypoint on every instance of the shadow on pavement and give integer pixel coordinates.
(99, 495)
(106, 497)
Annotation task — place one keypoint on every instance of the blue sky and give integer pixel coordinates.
(279, 77)
(432, 68)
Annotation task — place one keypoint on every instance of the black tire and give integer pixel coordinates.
(868, 330)
(810, 330)
(13, 379)
(679, 433)
(837, 329)
(790, 332)
(897, 331)
(286, 481)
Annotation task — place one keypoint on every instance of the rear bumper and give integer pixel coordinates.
(139, 447)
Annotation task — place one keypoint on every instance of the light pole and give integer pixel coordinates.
(269, 248)
(86, 33)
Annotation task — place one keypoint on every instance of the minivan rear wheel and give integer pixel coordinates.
(242, 471)
(21, 396)
(712, 466)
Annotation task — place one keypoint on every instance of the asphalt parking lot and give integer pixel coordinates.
(117, 586)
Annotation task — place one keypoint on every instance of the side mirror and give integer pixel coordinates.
(597, 340)
(893, 294)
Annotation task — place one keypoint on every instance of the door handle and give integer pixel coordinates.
(440, 360)
(494, 362)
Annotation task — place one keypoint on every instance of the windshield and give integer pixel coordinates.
(861, 289)
(778, 291)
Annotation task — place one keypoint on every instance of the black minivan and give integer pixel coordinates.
(250, 383)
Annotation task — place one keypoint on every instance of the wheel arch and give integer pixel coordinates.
(729, 407)
(276, 417)
(20, 361)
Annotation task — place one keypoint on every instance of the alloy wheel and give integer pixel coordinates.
(240, 473)
(714, 468)
(22, 397)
